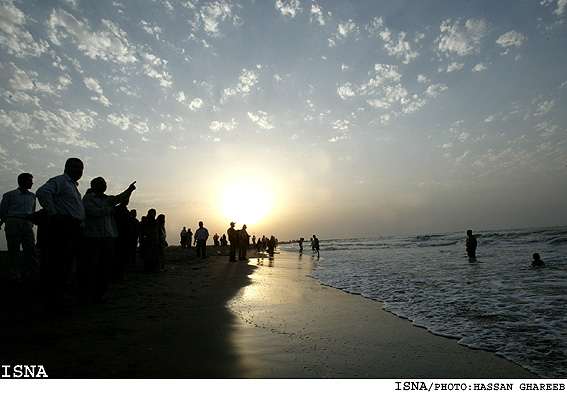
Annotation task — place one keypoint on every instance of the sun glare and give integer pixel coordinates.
(246, 203)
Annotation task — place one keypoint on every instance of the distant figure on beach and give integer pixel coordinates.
(15, 208)
(189, 237)
(233, 239)
(61, 198)
(253, 240)
(470, 245)
(223, 241)
(149, 242)
(216, 239)
(201, 236)
(183, 236)
(243, 243)
(271, 245)
(315, 245)
(537, 261)
(162, 242)
(301, 245)
(100, 234)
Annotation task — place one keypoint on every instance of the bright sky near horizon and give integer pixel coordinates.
(336, 118)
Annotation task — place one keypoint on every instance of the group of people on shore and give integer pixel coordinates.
(314, 245)
(97, 232)
(239, 240)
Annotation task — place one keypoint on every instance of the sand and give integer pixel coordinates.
(214, 319)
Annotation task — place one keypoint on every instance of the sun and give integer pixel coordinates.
(246, 202)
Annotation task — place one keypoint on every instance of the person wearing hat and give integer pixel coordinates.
(234, 241)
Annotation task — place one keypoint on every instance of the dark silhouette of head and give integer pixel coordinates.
(74, 168)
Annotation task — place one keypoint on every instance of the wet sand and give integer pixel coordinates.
(214, 319)
(291, 326)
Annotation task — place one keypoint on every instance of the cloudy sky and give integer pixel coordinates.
(298, 117)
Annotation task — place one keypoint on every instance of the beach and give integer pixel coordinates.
(208, 318)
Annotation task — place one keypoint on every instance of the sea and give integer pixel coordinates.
(498, 303)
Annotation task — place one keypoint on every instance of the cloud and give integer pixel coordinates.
(512, 38)
(212, 14)
(262, 119)
(246, 81)
(461, 40)
(109, 44)
(13, 34)
(561, 6)
(346, 91)
(289, 7)
(217, 126)
(317, 14)
(480, 67)
(454, 66)
(401, 48)
(93, 86)
(66, 127)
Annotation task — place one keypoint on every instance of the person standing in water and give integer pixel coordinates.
(470, 244)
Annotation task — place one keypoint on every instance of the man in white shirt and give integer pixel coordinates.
(99, 235)
(60, 197)
(15, 207)
(201, 236)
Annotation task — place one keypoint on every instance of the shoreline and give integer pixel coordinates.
(298, 328)
(213, 319)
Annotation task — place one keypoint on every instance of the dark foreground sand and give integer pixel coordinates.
(214, 319)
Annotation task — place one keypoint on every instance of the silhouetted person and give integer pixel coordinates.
(271, 245)
(61, 198)
(189, 238)
(100, 233)
(301, 245)
(183, 236)
(121, 255)
(15, 209)
(201, 236)
(216, 239)
(223, 241)
(233, 239)
(470, 245)
(133, 238)
(315, 245)
(149, 242)
(162, 242)
(242, 243)
(537, 261)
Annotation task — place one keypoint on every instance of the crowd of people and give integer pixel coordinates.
(96, 232)
(239, 239)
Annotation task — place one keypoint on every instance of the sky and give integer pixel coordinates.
(336, 118)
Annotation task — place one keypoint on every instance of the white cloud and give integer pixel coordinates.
(196, 104)
(247, 80)
(345, 91)
(289, 7)
(511, 39)
(454, 66)
(109, 44)
(65, 128)
(435, 90)
(262, 119)
(212, 14)
(480, 67)
(317, 14)
(401, 48)
(217, 126)
(461, 40)
(13, 34)
(561, 6)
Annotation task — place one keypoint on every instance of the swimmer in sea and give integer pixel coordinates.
(537, 261)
